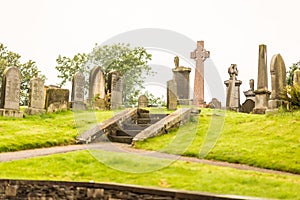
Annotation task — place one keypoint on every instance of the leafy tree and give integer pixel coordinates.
(28, 70)
(290, 73)
(131, 62)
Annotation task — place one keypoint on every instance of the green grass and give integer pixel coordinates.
(266, 141)
(119, 168)
(46, 130)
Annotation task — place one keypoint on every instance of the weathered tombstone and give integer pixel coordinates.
(96, 97)
(200, 55)
(278, 80)
(296, 78)
(262, 94)
(214, 104)
(233, 89)
(247, 106)
(115, 88)
(142, 101)
(181, 76)
(77, 96)
(10, 96)
(171, 95)
(36, 103)
(57, 99)
(250, 93)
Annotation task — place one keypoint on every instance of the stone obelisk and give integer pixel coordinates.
(200, 55)
(262, 94)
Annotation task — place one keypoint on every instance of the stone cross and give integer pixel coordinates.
(200, 55)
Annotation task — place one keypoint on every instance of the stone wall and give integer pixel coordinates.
(24, 189)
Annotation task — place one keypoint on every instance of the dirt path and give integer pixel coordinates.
(118, 147)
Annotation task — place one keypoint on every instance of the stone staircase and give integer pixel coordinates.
(126, 130)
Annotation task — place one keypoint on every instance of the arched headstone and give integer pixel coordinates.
(96, 96)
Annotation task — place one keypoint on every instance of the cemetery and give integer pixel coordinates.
(243, 149)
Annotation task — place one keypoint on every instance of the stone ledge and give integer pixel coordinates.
(11, 113)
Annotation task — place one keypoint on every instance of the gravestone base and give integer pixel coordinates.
(275, 104)
(54, 107)
(34, 111)
(199, 104)
(78, 105)
(11, 113)
(261, 102)
(185, 102)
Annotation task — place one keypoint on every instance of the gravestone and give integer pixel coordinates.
(250, 93)
(278, 80)
(181, 77)
(96, 97)
(36, 103)
(247, 106)
(57, 99)
(262, 94)
(233, 89)
(296, 78)
(10, 93)
(171, 95)
(115, 88)
(77, 96)
(200, 55)
(142, 101)
(214, 104)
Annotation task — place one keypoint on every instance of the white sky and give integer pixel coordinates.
(232, 29)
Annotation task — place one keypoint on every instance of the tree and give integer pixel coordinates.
(28, 70)
(290, 73)
(131, 62)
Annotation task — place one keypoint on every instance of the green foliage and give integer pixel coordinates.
(292, 95)
(28, 70)
(290, 73)
(131, 62)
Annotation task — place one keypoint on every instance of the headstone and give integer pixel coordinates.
(142, 101)
(233, 89)
(278, 80)
(247, 106)
(200, 55)
(96, 96)
(262, 94)
(171, 95)
(77, 96)
(10, 94)
(214, 104)
(115, 88)
(250, 93)
(181, 76)
(296, 78)
(57, 99)
(36, 103)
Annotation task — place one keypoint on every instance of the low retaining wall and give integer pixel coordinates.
(26, 189)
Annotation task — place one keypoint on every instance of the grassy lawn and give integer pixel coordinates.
(82, 166)
(46, 130)
(267, 141)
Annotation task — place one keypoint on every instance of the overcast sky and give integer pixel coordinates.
(40, 30)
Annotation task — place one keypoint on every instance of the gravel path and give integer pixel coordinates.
(118, 147)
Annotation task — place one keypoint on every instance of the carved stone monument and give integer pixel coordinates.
(77, 96)
(249, 104)
(233, 89)
(57, 99)
(181, 77)
(278, 80)
(36, 103)
(142, 101)
(115, 88)
(296, 78)
(10, 93)
(262, 94)
(171, 95)
(200, 55)
(96, 97)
